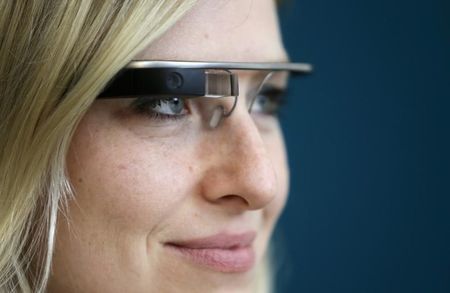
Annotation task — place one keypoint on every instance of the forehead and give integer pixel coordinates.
(222, 30)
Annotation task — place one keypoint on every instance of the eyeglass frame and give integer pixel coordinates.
(204, 79)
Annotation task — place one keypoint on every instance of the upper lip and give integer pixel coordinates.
(218, 241)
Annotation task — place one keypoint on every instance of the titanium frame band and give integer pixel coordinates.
(187, 78)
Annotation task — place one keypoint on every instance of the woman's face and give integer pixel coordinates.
(163, 205)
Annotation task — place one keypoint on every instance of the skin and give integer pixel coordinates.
(139, 184)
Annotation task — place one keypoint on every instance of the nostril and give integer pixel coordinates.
(234, 200)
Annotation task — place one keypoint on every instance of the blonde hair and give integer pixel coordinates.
(55, 57)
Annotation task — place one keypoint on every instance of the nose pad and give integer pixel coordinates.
(216, 117)
(219, 113)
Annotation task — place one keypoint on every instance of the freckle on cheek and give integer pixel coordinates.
(80, 180)
(122, 167)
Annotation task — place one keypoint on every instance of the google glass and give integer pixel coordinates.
(177, 80)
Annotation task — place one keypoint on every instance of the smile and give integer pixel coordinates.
(229, 253)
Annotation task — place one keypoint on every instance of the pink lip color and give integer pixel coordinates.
(230, 253)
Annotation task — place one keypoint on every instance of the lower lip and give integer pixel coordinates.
(237, 260)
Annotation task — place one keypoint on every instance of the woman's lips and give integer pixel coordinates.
(230, 253)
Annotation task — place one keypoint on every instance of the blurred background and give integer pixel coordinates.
(368, 139)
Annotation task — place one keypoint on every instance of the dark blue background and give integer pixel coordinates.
(368, 139)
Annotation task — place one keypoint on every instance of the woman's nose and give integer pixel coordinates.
(239, 170)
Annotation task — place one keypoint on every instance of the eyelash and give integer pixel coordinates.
(142, 105)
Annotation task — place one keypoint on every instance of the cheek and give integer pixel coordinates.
(125, 180)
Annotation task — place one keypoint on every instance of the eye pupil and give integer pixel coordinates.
(268, 100)
(168, 106)
(265, 105)
(176, 105)
(262, 100)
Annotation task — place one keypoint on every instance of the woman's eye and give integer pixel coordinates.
(268, 101)
(161, 107)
